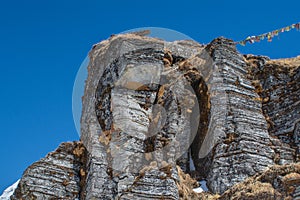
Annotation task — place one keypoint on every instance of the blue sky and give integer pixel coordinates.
(43, 44)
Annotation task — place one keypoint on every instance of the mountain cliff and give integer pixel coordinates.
(159, 117)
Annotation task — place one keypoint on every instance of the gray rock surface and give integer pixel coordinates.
(151, 107)
(57, 176)
(137, 119)
(277, 83)
(241, 143)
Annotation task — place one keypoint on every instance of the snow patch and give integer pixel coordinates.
(8, 192)
(202, 188)
(198, 190)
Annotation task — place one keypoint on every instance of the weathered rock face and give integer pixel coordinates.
(241, 144)
(57, 176)
(153, 109)
(277, 83)
(137, 90)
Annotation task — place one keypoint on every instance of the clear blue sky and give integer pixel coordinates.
(44, 42)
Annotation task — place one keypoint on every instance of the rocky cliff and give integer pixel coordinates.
(160, 116)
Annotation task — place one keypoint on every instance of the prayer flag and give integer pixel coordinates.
(243, 43)
(269, 35)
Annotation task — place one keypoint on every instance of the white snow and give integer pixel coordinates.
(202, 188)
(9, 191)
(198, 190)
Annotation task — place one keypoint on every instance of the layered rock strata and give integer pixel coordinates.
(157, 115)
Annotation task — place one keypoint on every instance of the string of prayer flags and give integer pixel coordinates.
(269, 35)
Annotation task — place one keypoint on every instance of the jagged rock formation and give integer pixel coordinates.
(58, 175)
(242, 144)
(151, 107)
(277, 83)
